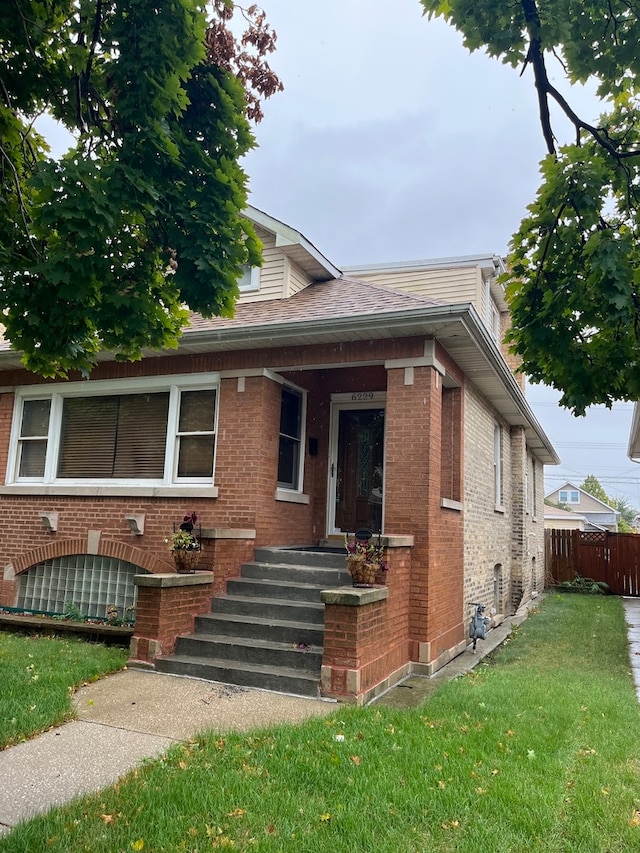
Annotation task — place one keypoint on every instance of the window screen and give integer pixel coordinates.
(33, 437)
(196, 433)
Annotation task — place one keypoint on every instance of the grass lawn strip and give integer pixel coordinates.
(38, 676)
(536, 749)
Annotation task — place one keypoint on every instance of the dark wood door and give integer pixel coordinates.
(360, 469)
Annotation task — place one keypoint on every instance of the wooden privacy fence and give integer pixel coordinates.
(610, 557)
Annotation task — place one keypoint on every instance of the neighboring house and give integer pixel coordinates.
(380, 399)
(598, 515)
(562, 519)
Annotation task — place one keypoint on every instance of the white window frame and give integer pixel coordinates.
(250, 281)
(174, 417)
(495, 323)
(534, 489)
(23, 441)
(284, 492)
(498, 472)
(570, 493)
(50, 483)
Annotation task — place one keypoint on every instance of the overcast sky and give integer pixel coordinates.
(392, 143)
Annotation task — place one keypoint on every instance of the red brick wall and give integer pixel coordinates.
(6, 416)
(334, 355)
(371, 639)
(246, 466)
(163, 613)
(24, 541)
(413, 506)
(227, 555)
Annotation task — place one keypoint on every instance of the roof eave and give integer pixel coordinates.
(633, 451)
(451, 325)
(295, 245)
(458, 328)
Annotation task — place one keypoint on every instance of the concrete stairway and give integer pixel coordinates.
(267, 631)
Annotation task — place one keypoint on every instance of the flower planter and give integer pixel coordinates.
(363, 572)
(118, 635)
(186, 561)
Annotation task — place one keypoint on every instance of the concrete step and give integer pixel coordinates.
(280, 680)
(324, 577)
(256, 627)
(286, 610)
(263, 588)
(267, 631)
(319, 558)
(259, 652)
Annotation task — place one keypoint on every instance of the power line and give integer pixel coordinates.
(590, 445)
(600, 407)
(618, 480)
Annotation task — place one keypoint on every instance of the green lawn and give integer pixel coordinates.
(38, 675)
(536, 750)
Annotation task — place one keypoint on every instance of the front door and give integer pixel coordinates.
(356, 468)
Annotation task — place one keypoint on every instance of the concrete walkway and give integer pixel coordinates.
(122, 720)
(136, 715)
(632, 618)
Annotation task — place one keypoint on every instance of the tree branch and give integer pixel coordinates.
(21, 204)
(535, 56)
(545, 89)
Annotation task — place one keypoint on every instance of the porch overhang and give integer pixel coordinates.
(458, 328)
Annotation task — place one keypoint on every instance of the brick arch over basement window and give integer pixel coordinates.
(107, 548)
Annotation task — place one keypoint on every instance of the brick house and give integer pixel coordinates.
(374, 397)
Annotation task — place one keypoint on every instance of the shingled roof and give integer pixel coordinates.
(340, 297)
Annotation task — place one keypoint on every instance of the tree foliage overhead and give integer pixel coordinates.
(143, 216)
(574, 277)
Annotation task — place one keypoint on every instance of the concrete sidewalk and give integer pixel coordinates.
(121, 721)
(632, 618)
(136, 715)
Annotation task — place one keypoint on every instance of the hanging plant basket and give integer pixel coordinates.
(186, 561)
(363, 572)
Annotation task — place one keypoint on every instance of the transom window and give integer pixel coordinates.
(153, 435)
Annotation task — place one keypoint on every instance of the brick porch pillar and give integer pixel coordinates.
(417, 503)
(167, 606)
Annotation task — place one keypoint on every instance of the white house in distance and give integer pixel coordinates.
(597, 514)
